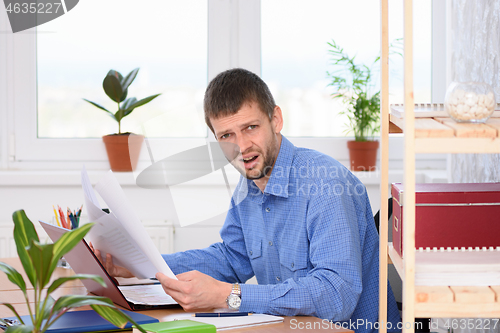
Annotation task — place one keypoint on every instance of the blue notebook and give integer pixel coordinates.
(89, 321)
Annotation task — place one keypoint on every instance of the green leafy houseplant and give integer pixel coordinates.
(116, 87)
(39, 262)
(123, 149)
(354, 84)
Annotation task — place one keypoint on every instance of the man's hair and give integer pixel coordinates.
(229, 90)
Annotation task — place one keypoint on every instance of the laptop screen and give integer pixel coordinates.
(83, 261)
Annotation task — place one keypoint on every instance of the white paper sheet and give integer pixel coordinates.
(152, 294)
(87, 188)
(120, 232)
(454, 267)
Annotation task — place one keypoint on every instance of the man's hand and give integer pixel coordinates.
(195, 290)
(112, 269)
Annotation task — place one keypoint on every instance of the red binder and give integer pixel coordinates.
(450, 215)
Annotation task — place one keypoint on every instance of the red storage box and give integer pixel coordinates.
(450, 215)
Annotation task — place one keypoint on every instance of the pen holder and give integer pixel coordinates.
(63, 263)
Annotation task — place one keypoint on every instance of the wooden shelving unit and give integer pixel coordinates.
(443, 135)
(425, 135)
(451, 301)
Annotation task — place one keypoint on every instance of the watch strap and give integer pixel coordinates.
(234, 296)
(236, 290)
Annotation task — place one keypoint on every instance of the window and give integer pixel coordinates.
(295, 56)
(40, 140)
(166, 39)
(422, 50)
(225, 34)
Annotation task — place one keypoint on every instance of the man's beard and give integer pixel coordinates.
(267, 164)
(267, 167)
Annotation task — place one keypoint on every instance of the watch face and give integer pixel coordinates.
(234, 302)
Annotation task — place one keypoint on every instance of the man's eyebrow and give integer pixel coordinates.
(251, 122)
(222, 132)
(248, 123)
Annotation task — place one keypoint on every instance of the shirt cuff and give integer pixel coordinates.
(255, 298)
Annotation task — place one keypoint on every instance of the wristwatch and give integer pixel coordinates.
(234, 299)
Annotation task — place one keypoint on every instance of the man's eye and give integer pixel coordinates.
(225, 136)
(252, 126)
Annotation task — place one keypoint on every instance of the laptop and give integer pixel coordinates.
(133, 297)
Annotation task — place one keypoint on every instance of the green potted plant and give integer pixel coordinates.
(356, 89)
(122, 148)
(354, 86)
(39, 262)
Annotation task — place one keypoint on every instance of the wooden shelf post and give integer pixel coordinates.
(409, 175)
(384, 165)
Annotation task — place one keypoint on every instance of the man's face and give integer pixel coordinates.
(256, 136)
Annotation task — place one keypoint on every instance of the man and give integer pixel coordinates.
(299, 221)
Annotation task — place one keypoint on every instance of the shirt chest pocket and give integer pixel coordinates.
(255, 250)
(294, 261)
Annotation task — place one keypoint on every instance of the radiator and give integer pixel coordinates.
(161, 233)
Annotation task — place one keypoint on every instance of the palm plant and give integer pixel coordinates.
(116, 87)
(354, 85)
(39, 262)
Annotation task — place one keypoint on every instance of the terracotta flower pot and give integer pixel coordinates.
(123, 150)
(363, 155)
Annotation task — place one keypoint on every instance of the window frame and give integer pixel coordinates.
(234, 31)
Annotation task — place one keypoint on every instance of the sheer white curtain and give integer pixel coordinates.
(476, 57)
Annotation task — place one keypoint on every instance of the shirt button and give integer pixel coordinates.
(268, 209)
(270, 243)
(277, 278)
(292, 265)
(251, 252)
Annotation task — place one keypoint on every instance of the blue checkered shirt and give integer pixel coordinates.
(309, 238)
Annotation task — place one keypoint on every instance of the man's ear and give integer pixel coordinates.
(277, 120)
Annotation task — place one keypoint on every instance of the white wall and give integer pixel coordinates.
(36, 192)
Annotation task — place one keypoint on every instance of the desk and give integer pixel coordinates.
(10, 293)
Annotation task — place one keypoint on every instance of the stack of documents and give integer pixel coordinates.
(121, 232)
(429, 110)
(457, 267)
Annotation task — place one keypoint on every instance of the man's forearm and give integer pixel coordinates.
(324, 296)
(215, 261)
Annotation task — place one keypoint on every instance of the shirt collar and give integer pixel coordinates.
(278, 182)
(280, 175)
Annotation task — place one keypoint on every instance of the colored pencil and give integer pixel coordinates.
(57, 218)
(70, 218)
(63, 219)
(73, 220)
(78, 217)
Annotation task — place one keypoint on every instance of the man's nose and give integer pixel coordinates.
(244, 143)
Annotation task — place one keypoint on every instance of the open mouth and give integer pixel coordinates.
(250, 159)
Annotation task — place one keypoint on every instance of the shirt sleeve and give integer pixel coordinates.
(225, 261)
(331, 289)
